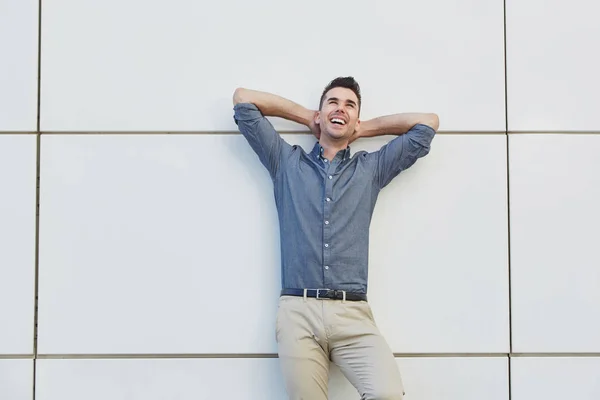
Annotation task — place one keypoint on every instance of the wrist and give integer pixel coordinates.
(307, 117)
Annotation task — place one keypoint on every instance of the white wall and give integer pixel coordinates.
(16, 377)
(173, 65)
(19, 66)
(482, 256)
(17, 243)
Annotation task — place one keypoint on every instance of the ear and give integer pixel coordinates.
(357, 125)
(318, 118)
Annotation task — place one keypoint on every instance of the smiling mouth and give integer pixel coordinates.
(338, 121)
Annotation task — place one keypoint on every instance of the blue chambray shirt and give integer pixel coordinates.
(325, 208)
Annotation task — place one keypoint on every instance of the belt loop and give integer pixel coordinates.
(343, 296)
(305, 295)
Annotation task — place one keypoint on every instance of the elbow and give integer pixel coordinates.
(433, 120)
(240, 96)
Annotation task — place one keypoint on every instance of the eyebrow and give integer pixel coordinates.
(347, 101)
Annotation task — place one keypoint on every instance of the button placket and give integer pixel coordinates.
(327, 232)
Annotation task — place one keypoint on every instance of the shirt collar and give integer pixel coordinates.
(318, 150)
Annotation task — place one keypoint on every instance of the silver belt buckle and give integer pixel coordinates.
(327, 290)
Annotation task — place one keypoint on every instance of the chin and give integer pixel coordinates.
(338, 135)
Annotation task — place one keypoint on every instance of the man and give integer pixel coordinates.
(325, 200)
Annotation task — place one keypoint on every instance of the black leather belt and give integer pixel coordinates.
(325, 294)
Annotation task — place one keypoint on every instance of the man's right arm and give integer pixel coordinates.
(271, 105)
(250, 109)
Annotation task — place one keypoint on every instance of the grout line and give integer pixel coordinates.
(508, 188)
(274, 355)
(37, 200)
(555, 355)
(243, 356)
(152, 356)
(509, 371)
(217, 133)
(553, 132)
(16, 356)
(36, 259)
(510, 325)
(505, 71)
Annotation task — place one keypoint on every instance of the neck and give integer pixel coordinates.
(332, 146)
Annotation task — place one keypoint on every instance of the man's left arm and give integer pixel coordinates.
(415, 132)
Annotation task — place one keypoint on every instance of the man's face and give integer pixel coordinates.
(338, 117)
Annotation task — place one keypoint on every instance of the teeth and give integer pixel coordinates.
(338, 120)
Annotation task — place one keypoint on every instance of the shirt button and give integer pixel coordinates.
(328, 199)
(325, 160)
(327, 267)
(326, 222)
(326, 245)
(330, 177)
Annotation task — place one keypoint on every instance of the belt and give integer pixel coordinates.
(329, 294)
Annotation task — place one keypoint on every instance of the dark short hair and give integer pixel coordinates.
(347, 82)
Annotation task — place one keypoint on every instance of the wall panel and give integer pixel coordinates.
(16, 379)
(441, 378)
(555, 220)
(173, 65)
(439, 243)
(157, 379)
(17, 242)
(246, 379)
(18, 69)
(552, 75)
(560, 378)
(140, 217)
(156, 243)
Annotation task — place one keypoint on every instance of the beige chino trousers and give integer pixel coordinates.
(312, 332)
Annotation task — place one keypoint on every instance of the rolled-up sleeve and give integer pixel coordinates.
(261, 135)
(402, 152)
